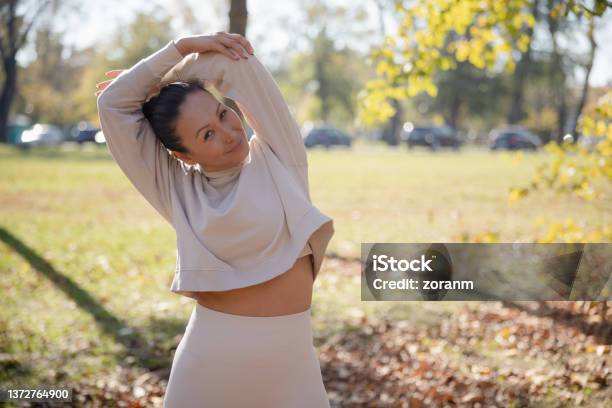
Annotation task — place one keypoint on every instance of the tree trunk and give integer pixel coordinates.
(6, 97)
(453, 117)
(557, 78)
(392, 128)
(585, 86)
(321, 56)
(238, 17)
(516, 113)
(561, 115)
(9, 46)
(323, 89)
(516, 109)
(394, 125)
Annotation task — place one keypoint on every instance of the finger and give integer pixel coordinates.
(244, 42)
(103, 84)
(114, 73)
(231, 44)
(234, 46)
(227, 51)
(101, 87)
(237, 42)
(239, 49)
(233, 53)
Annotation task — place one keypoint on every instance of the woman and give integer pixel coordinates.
(249, 241)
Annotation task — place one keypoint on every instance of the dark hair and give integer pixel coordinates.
(162, 111)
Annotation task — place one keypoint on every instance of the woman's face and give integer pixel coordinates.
(212, 133)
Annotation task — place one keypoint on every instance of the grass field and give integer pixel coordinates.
(86, 263)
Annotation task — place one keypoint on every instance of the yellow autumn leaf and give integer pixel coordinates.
(505, 333)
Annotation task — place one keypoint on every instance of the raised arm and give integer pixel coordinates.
(258, 96)
(129, 136)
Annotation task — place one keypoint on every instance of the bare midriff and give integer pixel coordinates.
(287, 293)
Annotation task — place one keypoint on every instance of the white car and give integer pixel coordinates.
(41, 135)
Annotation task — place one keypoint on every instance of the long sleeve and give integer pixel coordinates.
(258, 96)
(129, 136)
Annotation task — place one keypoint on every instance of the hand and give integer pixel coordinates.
(111, 74)
(232, 45)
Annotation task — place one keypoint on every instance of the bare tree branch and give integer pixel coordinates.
(11, 26)
(37, 14)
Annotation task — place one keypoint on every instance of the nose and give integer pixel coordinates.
(228, 137)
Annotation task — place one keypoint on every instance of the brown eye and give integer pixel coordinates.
(210, 132)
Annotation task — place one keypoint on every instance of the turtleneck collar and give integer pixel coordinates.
(219, 177)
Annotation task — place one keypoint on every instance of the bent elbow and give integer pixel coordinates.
(102, 102)
(111, 96)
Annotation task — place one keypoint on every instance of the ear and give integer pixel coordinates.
(185, 157)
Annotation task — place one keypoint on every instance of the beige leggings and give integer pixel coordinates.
(228, 360)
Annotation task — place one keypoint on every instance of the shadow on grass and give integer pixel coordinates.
(12, 370)
(137, 350)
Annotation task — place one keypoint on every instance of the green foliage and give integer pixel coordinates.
(144, 35)
(579, 7)
(44, 83)
(322, 85)
(576, 170)
(59, 88)
(434, 36)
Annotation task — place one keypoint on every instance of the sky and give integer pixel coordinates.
(266, 27)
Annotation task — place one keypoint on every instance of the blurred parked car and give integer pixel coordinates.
(99, 137)
(433, 137)
(513, 138)
(326, 136)
(41, 135)
(84, 131)
(14, 133)
(87, 135)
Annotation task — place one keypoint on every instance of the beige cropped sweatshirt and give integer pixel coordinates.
(236, 227)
